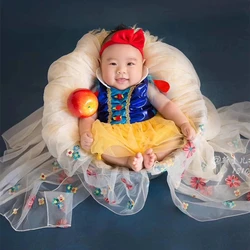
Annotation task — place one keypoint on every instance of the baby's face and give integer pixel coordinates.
(121, 66)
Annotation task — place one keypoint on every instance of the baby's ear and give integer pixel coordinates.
(143, 61)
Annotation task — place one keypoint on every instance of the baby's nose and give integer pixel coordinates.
(121, 71)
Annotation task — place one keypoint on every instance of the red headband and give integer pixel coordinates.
(127, 36)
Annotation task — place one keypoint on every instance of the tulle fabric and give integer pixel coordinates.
(126, 140)
(45, 173)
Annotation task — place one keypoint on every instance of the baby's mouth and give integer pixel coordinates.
(121, 80)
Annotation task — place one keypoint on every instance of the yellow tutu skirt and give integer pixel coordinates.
(123, 140)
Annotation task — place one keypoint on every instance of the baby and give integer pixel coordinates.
(136, 124)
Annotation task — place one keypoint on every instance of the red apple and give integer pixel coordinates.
(82, 103)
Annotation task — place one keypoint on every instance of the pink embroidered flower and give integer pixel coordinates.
(108, 201)
(233, 181)
(189, 148)
(248, 196)
(65, 179)
(197, 183)
(129, 186)
(207, 191)
(91, 172)
(62, 223)
(30, 201)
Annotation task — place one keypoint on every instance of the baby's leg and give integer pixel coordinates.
(133, 162)
(149, 158)
(162, 155)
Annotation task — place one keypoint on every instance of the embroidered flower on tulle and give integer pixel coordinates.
(229, 204)
(74, 152)
(207, 190)
(91, 172)
(97, 191)
(41, 201)
(108, 201)
(237, 193)
(15, 210)
(43, 176)
(189, 148)
(129, 186)
(104, 191)
(71, 189)
(232, 181)
(130, 204)
(248, 196)
(160, 168)
(185, 205)
(197, 183)
(76, 148)
(30, 201)
(76, 155)
(65, 179)
(61, 198)
(62, 223)
(201, 129)
(70, 152)
(234, 143)
(56, 165)
(14, 189)
(164, 164)
(59, 201)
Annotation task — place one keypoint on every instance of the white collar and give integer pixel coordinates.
(99, 76)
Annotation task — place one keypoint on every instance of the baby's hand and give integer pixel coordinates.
(188, 131)
(86, 140)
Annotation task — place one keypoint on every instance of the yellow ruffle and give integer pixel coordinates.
(122, 140)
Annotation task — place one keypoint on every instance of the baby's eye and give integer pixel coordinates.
(130, 64)
(112, 64)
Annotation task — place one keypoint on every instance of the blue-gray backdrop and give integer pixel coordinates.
(214, 35)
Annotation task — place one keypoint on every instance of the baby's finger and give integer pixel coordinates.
(87, 144)
(192, 135)
(89, 135)
(189, 137)
(89, 140)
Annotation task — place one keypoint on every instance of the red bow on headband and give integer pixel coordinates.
(128, 36)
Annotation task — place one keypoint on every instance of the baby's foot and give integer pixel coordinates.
(149, 158)
(135, 162)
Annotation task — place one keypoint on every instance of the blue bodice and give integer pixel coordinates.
(125, 106)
